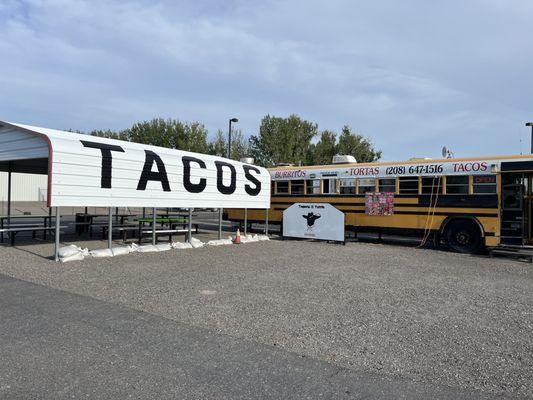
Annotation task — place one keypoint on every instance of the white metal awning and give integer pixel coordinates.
(87, 170)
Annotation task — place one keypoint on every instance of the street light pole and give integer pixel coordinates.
(531, 125)
(229, 135)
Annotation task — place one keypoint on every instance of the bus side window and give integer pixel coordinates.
(347, 185)
(457, 184)
(313, 186)
(431, 184)
(366, 185)
(282, 187)
(408, 184)
(297, 187)
(387, 185)
(484, 184)
(329, 186)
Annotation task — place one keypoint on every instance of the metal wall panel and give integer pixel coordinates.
(24, 187)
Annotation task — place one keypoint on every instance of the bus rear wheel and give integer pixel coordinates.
(463, 236)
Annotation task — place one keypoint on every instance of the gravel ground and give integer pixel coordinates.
(427, 315)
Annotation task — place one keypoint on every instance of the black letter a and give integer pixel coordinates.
(148, 175)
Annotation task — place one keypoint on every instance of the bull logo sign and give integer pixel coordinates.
(311, 218)
(317, 221)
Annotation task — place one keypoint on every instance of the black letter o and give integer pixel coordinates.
(220, 175)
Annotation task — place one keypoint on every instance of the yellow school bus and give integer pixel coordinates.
(465, 203)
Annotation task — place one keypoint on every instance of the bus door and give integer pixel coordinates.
(514, 215)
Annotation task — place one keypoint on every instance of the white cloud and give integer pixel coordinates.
(412, 75)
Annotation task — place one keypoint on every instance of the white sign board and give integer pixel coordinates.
(313, 221)
(93, 171)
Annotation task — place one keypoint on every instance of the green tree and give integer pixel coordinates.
(218, 146)
(323, 151)
(170, 133)
(282, 140)
(107, 133)
(239, 145)
(361, 148)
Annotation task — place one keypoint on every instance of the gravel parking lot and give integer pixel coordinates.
(426, 315)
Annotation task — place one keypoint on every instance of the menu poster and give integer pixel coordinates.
(379, 203)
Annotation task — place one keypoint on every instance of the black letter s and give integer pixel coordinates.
(252, 191)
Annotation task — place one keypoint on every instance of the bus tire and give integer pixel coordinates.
(463, 236)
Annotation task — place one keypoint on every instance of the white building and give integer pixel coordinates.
(24, 187)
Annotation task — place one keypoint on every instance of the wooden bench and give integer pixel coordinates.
(12, 231)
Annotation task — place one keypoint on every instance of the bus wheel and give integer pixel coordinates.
(463, 236)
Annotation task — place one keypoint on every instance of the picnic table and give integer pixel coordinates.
(47, 221)
(171, 221)
(13, 230)
(85, 221)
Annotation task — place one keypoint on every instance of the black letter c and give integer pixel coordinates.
(189, 186)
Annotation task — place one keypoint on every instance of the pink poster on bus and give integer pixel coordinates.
(379, 203)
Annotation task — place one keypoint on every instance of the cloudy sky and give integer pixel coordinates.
(412, 75)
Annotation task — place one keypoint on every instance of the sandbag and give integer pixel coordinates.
(120, 251)
(133, 247)
(248, 239)
(70, 250)
(196, 243)
(147, 248)
(262, 238)
(181, 245)
(101, 253)
(163, 246)
(219, 242)
(73, 257)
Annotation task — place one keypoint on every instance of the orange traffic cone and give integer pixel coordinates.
(238, 237)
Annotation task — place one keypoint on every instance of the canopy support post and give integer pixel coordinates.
(110, 229)
(266, 222)
(189, 235)
(154, 216)
(9, 194)
(245, 221)
(58, 220)
(219, 223)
